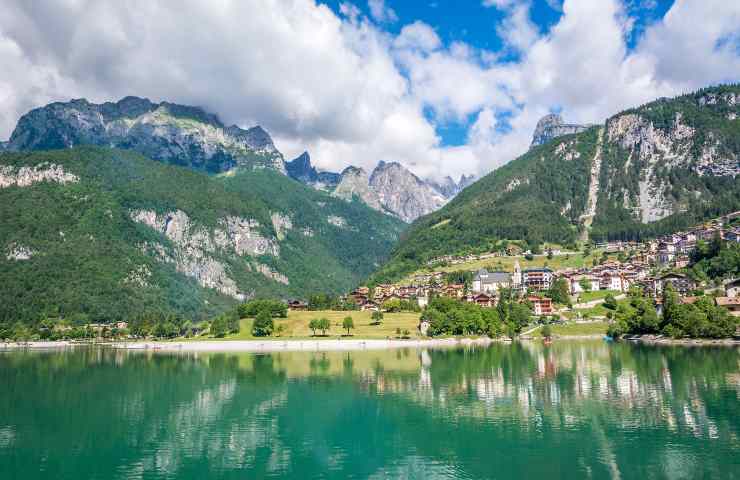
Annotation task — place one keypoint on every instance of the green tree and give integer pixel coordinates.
(324, 325)
(218, 327)
(263, 325)
(585, 284)
(547, 332)
(559, 292)
(348, 324)
(314, 325)
(377, 318)
(610, 302)
(276, 308)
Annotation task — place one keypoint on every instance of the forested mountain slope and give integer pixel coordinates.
(106, 234)
(648, 170)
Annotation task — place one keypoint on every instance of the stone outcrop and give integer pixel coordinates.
(282, 225)
(27, 176)
(197, 251)
(16, 252)
(552, 126)
(165, 132)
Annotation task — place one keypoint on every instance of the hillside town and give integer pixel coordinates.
(648, 266)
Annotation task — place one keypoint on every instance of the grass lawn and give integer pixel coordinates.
(576, 329)
(584, 297)
(296, 325)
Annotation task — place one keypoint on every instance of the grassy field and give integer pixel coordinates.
(558, 262)
(296, 325)
(576, 329)
(584, 297)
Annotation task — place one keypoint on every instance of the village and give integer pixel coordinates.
(648, 266)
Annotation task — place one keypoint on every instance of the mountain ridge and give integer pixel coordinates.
(390, 187)
(167, 132)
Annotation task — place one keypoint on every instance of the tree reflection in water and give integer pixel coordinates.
(568, 410)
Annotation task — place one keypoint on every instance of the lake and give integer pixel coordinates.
(570, 410)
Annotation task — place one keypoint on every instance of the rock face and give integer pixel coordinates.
(26, 176)
(196, 249)
(355, 183)
(552, 126)
(301, 169)
(166, 132)
(403, 193)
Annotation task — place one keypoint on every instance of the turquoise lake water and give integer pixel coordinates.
(570, 410)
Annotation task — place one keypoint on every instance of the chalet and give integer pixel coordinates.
(666, 252)
(537, 279)
(682, 261)
(358, 296)
(730, 303)
(614, 281)
(488, 282)
(369, 306)
(454, 290)
(484, 300)
(681, 283)
(733, 235)
(732, 288)
(513, 250)
(297, 305)
(541, 305)
(120, 325)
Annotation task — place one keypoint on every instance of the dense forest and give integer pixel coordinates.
(87, 257)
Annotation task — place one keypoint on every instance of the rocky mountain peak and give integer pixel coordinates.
(300, 168)
(354, 182)
(167, 132)
(551, 126)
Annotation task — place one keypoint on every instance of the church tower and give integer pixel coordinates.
(516, 278)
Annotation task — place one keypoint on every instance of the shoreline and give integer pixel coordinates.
(326, 344)
(256, 346)
(689, 342)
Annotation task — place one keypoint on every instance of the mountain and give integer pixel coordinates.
(552, 126)
(301, 169)
(403, 193)
(449, 188)
(646, 171)
(389, 188)
(166, 132)
(355, 183)
(101, 234)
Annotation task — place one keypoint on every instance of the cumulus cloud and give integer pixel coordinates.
(348, 90)
(381, 12)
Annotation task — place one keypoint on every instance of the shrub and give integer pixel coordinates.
(263, 324)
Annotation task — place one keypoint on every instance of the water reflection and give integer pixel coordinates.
(570, 410)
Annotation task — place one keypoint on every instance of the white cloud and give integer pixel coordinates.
(381, 12)
(417, 35)
(350, 92)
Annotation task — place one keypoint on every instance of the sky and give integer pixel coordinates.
(445, 87)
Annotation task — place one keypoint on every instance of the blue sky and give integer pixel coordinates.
(444, 87)
(473, 23)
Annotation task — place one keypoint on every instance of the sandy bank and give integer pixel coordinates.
(37, 345)
(299, 345)
(660, 340)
